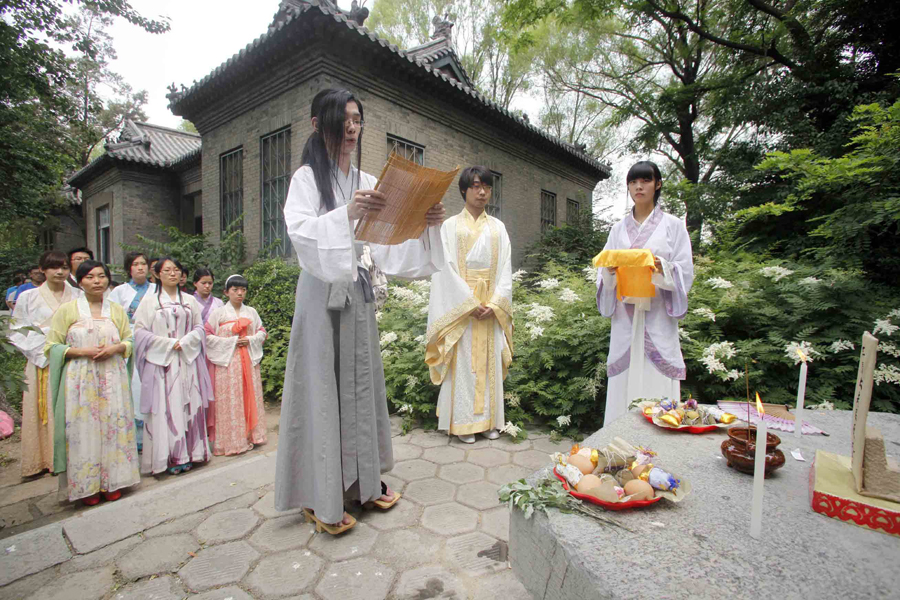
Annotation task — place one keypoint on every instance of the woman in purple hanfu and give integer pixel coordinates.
(176, 394)
(645, 358)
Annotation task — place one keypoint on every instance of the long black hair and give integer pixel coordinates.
(323, 146)
(646, 169)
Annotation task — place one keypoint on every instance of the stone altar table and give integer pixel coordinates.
(701, 547)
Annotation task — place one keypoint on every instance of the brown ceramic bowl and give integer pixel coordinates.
(741, 455)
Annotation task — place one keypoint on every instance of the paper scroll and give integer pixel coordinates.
(411, 190)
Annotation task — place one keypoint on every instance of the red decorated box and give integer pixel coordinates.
(832, 492)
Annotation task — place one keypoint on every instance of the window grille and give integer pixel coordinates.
(573, 207)
(275, 166)
(103, 234)
(548, 210)
(406, 149)
(494, 207)
(231, 189)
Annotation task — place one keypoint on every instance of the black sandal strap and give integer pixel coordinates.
(383, 489)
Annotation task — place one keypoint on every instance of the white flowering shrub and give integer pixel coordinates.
(776, 310)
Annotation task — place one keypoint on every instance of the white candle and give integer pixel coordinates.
(801, 394)
(759, 473)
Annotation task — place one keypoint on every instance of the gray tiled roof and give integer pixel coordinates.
(145, 144)
(292, 12)
(435, 49)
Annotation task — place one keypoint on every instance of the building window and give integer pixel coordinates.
(493, 208)
(572, 209)
(275, 165)
(408, 150)
(46, 239)
(548, 210)
(103, 234)
(231, 188)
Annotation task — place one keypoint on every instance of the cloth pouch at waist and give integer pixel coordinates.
(339, 291)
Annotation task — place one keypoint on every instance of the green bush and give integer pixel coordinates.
(273, 285)
(194, 251)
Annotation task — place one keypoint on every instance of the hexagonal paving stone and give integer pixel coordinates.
(488, 457)
(532, 459)
(449, 519)
(429, 582)
(508, 473)
(181, 525)
(219, 565)
(411, 470)
(161, 588)
(430, 491)
(360, 579)
(90, 585)
(480, 495)
(286, 573)
(429, 439)
(407, 548)
(283, 533)
(478, 554)
(227, 526)
(496, 523)
(508, 443)
(461, 473)
(501, 585)
(444, 455)
(549, 447)
(266, 507)
(226, 593)
(402, 514)
(352, 544)
(157, 555)
(406, 452)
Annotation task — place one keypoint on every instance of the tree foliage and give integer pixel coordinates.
(39, 143)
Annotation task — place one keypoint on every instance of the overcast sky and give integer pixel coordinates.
(203, 35)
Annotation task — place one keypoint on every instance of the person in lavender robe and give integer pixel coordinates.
(203, 286)
(176, 393)
(129, 297)
(645, 358)
(334, 432)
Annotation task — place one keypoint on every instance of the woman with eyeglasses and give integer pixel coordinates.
(176, 393)
(335, 439)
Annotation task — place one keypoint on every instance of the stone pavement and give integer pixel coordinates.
(218, 536)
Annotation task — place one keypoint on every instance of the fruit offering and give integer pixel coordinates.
(688, 415)
(617, 476)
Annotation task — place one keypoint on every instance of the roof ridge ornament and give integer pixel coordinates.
(442, 27)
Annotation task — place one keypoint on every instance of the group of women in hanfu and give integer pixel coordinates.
(145, 379)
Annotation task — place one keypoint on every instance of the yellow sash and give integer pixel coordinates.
(478, 281)
(42, 377)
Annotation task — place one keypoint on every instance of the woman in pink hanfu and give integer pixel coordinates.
(234, 338)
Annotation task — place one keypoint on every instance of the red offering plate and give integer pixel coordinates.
(606, 505)
(689, 428)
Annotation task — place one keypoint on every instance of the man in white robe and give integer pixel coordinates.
(469, 337)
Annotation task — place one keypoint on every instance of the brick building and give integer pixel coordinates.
(253, 115)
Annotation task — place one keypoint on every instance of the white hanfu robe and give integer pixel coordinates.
(334, 432)
(175, 387)
(35, 308)
(645, 358)
(468, 357)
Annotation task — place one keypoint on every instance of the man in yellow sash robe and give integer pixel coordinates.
(469, 337)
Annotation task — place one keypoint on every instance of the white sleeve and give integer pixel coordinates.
(412, 259)
(324, 244)
(219, 350)
(192, 343)
(257, 339)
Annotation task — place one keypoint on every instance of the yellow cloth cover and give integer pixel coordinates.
(633, 270)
